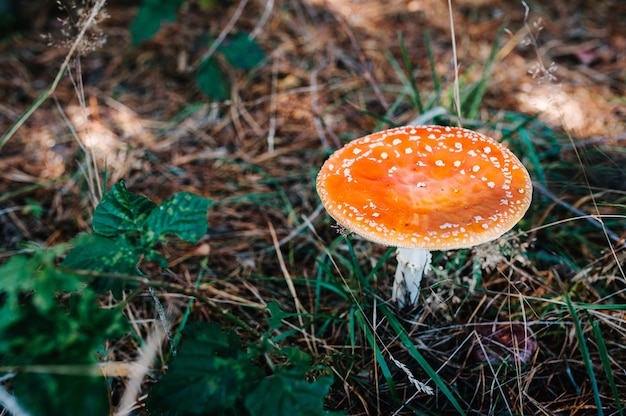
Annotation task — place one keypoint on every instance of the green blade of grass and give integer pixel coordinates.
(417, 100)
(404, 338)
(351, 327)
(431, 64)
(421, 360)
(584, 351)
(366, 326)
(477, 97)
(606, 364)
(370, 336)
(532, 155)
(185, 318)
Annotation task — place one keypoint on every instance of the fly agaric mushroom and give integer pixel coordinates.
(422, 188)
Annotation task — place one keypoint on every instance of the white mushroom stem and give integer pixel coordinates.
(412, 262)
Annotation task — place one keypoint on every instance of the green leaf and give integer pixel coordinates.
(150, 16)
(51, 325)
(241, 51)
(63, 334)
(586, 356)
(120, 212)
(183, 216)
(208, 376)
(103, 254)
(54, 394)
(275, 320)
(211, 80)
(67, 338)
(289, 394)
(36, 275)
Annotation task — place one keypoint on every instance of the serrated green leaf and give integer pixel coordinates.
(64, 334)
(16, 276)
(103, 254)
(289, 394)
(208, 376)
(150, 16)
(241, 51)
(212, 81)
(36, 274)
(183, 216)
(54, 394)
(120, 212)
(66, 337)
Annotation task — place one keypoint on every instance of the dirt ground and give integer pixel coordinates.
(138, 113)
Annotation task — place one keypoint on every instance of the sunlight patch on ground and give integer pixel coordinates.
(575, 108)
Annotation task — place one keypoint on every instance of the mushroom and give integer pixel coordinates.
(422, 188)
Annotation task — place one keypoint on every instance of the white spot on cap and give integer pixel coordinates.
(487, 150)
(475, 168)
(439, 162)
(408, 151)
(356, 151)
(457, 163)
(421, 184)
(491, 185)
(428, 148)
(396, 142)
(384, 155)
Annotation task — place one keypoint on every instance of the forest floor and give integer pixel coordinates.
(335, 71)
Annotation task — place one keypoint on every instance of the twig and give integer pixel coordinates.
(269, 6)
(596, 222)
(593, 141)
(271, 134)
(231, 23)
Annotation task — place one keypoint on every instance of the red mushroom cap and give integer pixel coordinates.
(426, 187)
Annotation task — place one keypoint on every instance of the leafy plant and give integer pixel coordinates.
(239, 50)
(128, 228)
(150, 16)
(51, 327)
(213, 374)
